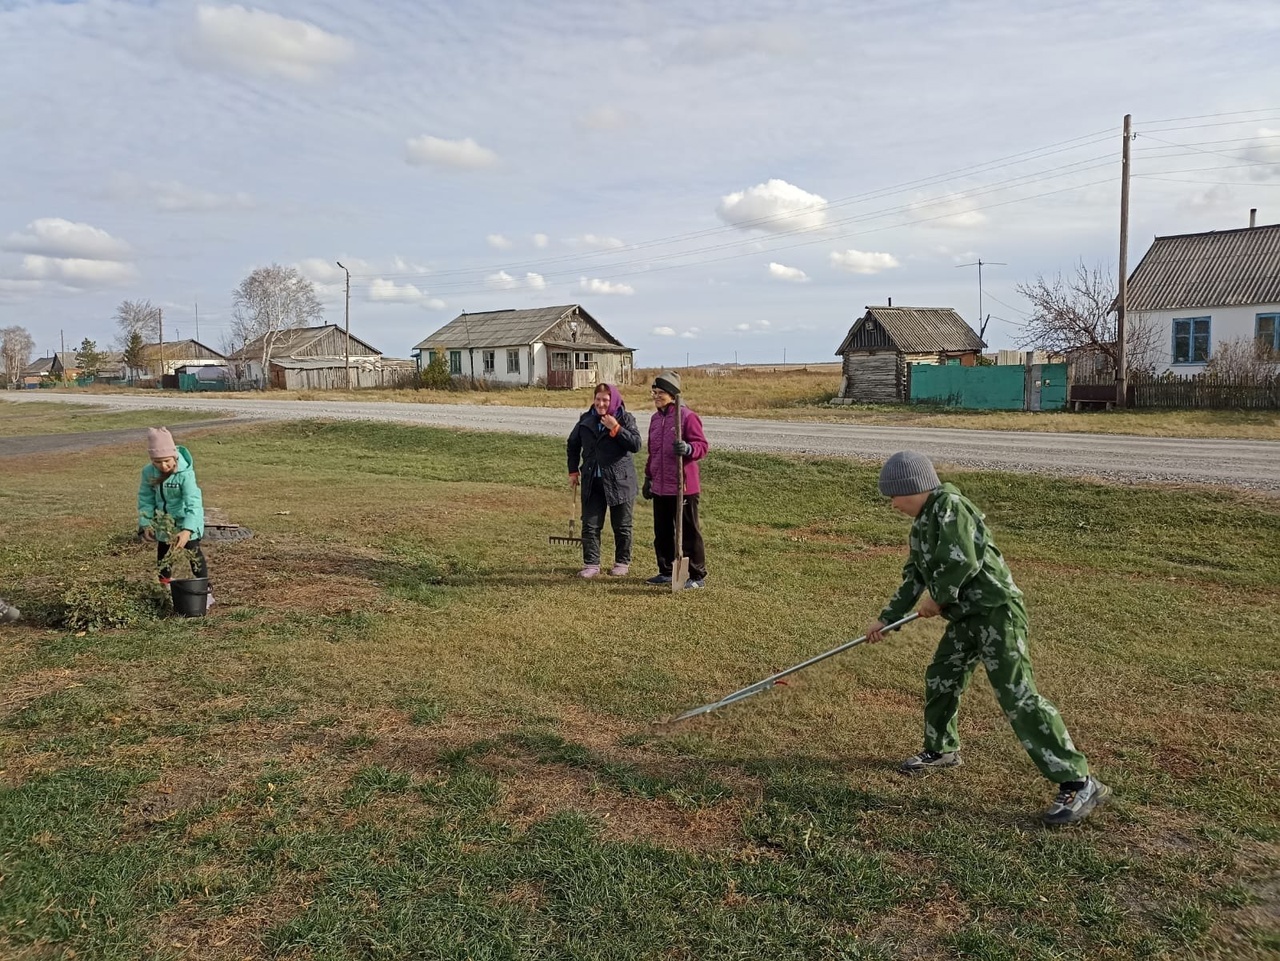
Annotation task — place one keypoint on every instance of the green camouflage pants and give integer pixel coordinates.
(997, 639)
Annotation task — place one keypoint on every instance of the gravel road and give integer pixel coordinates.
(1227, 463)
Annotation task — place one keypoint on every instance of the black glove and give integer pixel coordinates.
(682, 448)
(647, 490)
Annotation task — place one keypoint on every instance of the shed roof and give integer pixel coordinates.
(294, 339)
(1219, 268)
(181, 350)
(508, 328)
(918, 330)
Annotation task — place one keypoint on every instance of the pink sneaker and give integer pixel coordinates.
(209, 602)
(589, 571)
(620, 570)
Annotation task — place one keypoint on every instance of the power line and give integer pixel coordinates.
(1209, 116)
(1026, 156)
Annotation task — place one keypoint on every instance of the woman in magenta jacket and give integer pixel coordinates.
(661, 480)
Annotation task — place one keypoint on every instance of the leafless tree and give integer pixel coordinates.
(16, 346)
(1078, 313)
(267, 302)
(137, 317)
(1244, 361)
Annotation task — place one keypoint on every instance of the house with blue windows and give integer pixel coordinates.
(1194, 292)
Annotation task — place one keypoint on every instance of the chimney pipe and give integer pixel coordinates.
(1253, 216)
(890, 301)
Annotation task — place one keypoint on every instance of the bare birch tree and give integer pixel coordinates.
(268, 302)
(16, 346)
(137, 317)
(1079, 312)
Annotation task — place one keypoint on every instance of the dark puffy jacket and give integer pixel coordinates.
(599, 456)
(661, 467)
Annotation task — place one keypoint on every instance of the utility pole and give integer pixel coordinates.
(197, 320)
(347, 315)
(160, 324)
(62, 353)
(1122, 287)
(982, 324)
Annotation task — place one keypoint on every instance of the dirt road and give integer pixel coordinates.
(1229, 463)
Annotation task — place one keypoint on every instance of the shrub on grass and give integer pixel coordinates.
(106, 604)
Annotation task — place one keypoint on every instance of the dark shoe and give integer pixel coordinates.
(1073, 805)
(659, 579)
(8, 613)
(929, 761)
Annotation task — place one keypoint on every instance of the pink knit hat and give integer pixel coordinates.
(160, 443)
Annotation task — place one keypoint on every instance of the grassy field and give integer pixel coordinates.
(803, 395)
(51, 418)
(407, 731)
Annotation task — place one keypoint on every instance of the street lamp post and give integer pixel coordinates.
(346, 343)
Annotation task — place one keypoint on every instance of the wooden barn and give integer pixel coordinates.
(885, 341)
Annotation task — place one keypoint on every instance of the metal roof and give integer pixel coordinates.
(508, 328)
(1220, 268)
(327, 363)
(294, 339)
(915, 330)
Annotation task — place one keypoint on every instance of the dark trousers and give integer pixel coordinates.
(664, 535)
(594, 506)
(199, 566)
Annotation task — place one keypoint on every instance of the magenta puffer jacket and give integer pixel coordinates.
(660, 468)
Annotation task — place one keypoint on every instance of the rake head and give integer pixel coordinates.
(564, 540)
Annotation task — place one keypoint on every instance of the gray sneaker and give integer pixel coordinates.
(929, 761)
(1073, 805)
(8, 613)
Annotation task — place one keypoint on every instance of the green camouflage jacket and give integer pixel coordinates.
(954, 559)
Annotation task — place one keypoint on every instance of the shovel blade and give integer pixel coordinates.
(679, 574)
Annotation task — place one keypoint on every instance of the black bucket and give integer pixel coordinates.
(190, 596)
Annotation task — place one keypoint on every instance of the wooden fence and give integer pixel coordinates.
(1204, 393)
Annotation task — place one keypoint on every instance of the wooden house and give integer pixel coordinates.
(885, 341)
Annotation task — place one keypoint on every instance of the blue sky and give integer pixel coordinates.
(709, 179)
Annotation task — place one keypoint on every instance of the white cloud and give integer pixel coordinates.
(596, 242)
(954, 210)
(435, 303)
(1265, 151)
(388, 291)
(793, 274)
(728, 41)
(498, 242)
(55, 237)
(663, 331)
(175, 197)
(504, 281)
(742, 327)
(266, 44)
(691, 333)
(77, 272)
(759, 325)
(775, 206)
(601, 119)
(463, 154)
(402, 266)
(327, 273)
(541, 240)
(597, 286)
(863, 262)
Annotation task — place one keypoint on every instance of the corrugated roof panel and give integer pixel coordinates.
(913, 330)
(1222, 268)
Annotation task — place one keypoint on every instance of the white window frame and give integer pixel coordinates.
(513, 360)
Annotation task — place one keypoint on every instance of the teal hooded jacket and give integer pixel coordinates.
(176, 495)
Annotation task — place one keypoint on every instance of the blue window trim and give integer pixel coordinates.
(452, 355)
(1275, 328)
(1191, 344)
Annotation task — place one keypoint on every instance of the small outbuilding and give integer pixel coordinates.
(884, 342)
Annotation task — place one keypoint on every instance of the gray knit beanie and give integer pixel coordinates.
(907, 472)
(669, 381)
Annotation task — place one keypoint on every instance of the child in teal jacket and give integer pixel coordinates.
(170, 503)
(955, 560)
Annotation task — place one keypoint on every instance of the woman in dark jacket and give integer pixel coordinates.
(600, 462)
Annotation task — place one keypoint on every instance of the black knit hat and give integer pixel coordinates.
(669, 381)
(907, 472)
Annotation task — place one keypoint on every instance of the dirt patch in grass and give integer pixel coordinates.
(20, 691)
(533, 792)
(233, 936)
(180, 789)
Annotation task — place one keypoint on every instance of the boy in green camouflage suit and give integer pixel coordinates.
(954, 559)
